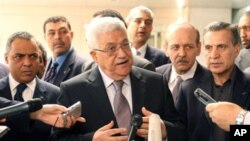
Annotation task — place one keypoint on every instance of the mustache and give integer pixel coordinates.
(58, 42)
(122, 60)
(182, 60)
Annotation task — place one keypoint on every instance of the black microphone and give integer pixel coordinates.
(28, 106)
(136, 122)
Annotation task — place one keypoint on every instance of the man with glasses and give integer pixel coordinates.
(114, 90)
(243, 60)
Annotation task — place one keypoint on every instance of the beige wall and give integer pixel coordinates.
(31, 18)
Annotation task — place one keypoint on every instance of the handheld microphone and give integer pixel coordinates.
(28, 106)
(154, 129)
(136, 122)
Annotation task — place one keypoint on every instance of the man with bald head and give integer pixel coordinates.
(182, 45)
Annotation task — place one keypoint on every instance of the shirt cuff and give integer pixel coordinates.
(247, 118)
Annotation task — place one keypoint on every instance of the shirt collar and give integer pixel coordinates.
(108, 81)
(189, 74)
(142, 50)
(60, 59)
(13, 83)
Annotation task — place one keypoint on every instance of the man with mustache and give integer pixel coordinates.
(22, 84)
(108, 107)
(224, 82)
(182, 45)
(243, 60)
(140, 25)
(65, 62)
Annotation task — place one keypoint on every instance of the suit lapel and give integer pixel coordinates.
(204, 79)
(40, 91)
(241, 90)
(99, 95)
(65, 68)
(168, 72)
(138, 91)
(149, 54)
(5, 88)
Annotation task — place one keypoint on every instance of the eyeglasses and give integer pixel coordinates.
(112, 49)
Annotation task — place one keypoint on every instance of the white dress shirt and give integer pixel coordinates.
(27, 93)
(142, 51)
(189, 74)
(126, 89)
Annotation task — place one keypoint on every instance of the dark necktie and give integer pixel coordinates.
(19, 92)
(121, 107)
(176, 88)
(51, 72)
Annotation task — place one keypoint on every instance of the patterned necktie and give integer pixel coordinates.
(176, 88)
(19, 92)
(121, 107)
(51, 72)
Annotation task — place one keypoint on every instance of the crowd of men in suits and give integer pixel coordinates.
(151, 81)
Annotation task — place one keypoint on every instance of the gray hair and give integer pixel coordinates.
(101, 25)
(142, 9)
(217, 26)
(18, 35)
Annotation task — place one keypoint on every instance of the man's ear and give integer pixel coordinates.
(6, 58)
(94, 56)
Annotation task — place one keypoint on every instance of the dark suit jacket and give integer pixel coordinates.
(156, 56)
(71, 67)
(137, 61)
(35, 130)
(199, 125)
(148, 89)
(3, 70)
(165, 70)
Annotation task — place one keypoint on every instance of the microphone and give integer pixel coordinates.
(154, 129)
(28, 106)
(136, 122)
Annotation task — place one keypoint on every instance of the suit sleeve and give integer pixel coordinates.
(75, 133)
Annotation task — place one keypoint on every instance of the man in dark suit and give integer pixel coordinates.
(3, 70)
(182, 45)
(58, 34)
(140, 25)
(137, 61)
(22, 56)
(225, 82)
(142, 92)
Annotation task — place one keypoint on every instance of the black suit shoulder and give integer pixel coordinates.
(156, 56)
(162, 69)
